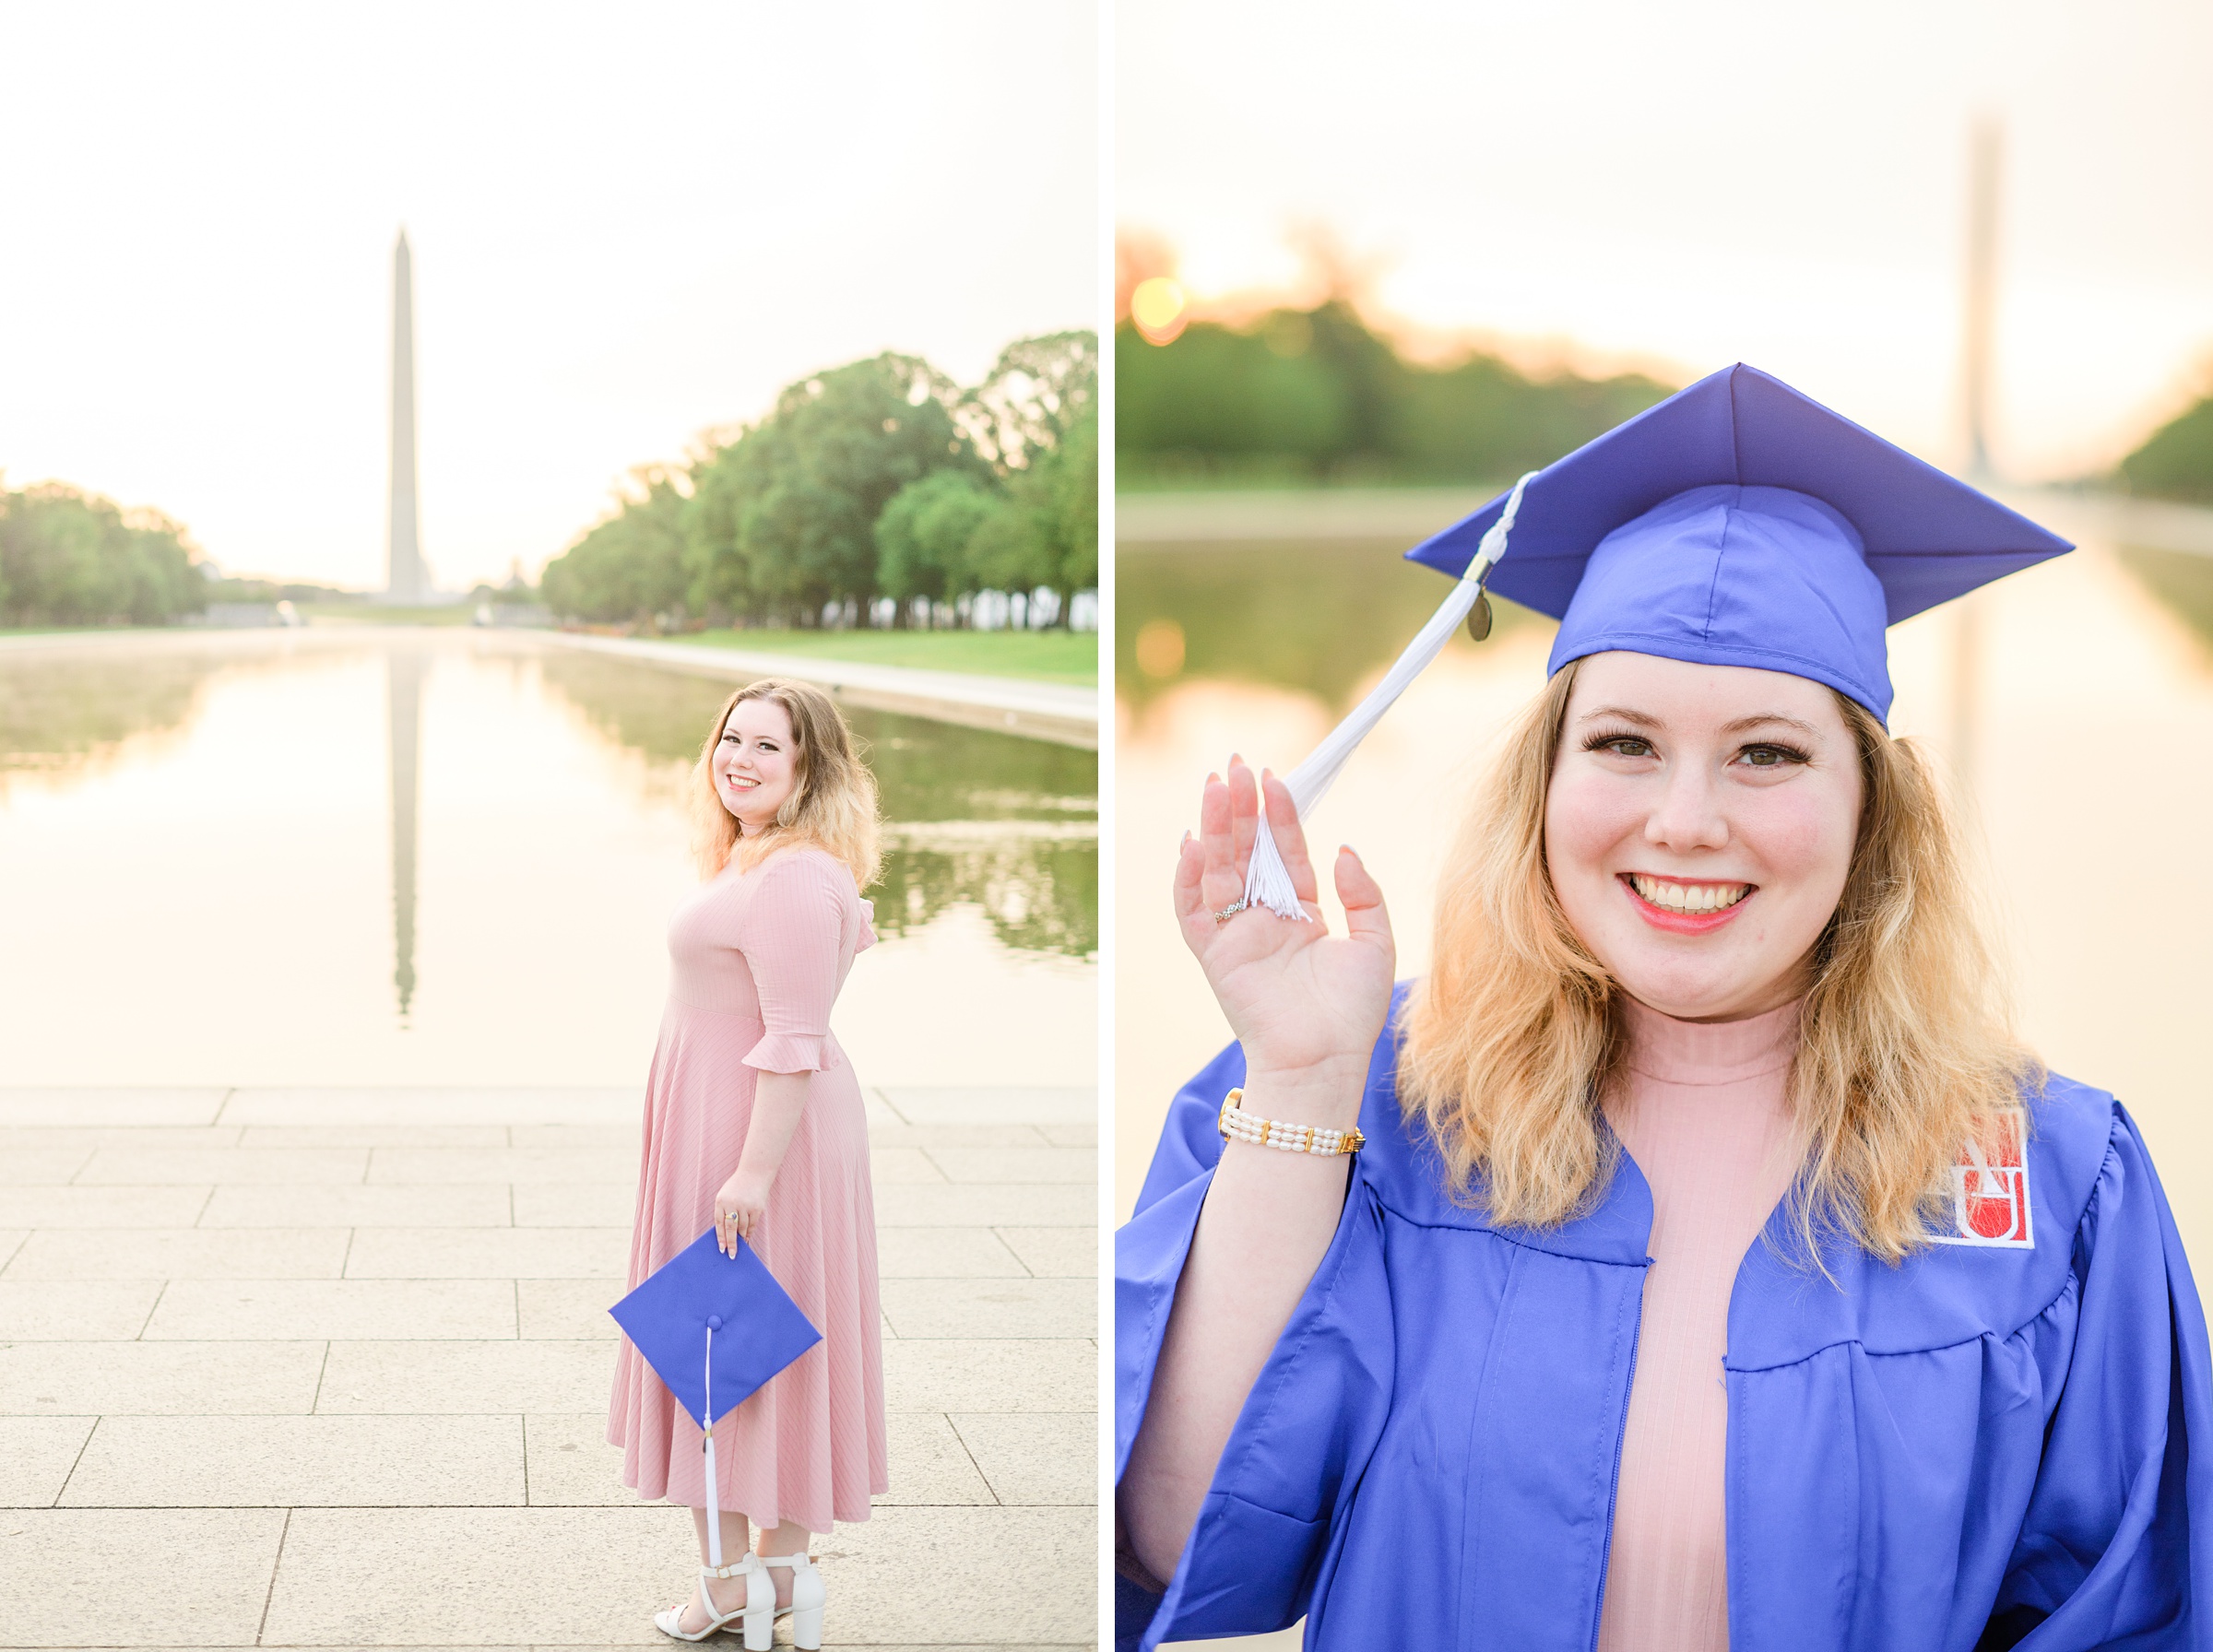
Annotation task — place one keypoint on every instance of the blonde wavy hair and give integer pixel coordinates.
(1905, 1050)
(832, 801)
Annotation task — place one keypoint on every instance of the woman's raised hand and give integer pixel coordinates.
(1306, 1005)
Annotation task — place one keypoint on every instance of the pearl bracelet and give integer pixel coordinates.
(1237, 1125)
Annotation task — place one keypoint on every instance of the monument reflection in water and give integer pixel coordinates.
(418, 856)
(403, 677)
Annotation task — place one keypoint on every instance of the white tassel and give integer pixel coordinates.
(706, 1425)
(1267, 880)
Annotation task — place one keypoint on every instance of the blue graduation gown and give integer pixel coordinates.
(1980, 1448)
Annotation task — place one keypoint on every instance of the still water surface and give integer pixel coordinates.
(2077, 700)
(439, 857)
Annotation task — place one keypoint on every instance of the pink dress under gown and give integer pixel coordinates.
(756, 960)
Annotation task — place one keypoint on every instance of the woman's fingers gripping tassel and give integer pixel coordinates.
(1244, 814)
(1290, 839)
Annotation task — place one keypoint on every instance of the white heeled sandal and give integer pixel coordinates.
(756, 1618)
(808, 1593)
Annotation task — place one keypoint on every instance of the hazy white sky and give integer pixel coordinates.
(1718, 179)
(629, 224)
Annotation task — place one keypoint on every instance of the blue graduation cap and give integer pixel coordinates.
(715, 1329)
(1737, 523)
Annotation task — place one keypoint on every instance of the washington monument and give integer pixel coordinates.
(406, 578)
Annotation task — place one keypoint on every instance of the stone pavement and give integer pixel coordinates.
(330, 1368)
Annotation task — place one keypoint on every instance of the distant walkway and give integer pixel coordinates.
(2153, 524)
(1063, 713)
(290, 1368)
(1408, 515)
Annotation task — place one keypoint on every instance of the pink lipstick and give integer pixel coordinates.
(1675, 922)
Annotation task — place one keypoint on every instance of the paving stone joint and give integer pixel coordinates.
(342, 1357)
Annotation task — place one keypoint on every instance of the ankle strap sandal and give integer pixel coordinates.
(808, 1593)
(756, 1617)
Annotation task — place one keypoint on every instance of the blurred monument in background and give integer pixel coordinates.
(1978, 317)
(1981, 296)
(406, 580)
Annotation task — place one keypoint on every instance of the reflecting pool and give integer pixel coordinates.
(2069, 703)
(369, 856)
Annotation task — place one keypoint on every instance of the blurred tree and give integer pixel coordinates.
(1374, 380)
(1038, 391)
(782, 520)
(1012, 547)
(878, 479)
(72, 558)
(631, 566)
(923, 535)
(1045, 531)
(2176, 462)
(1316, 394)
(162, 581)
(1043, 432)
(1222, 394)
(1074, 483)
(1482, 420)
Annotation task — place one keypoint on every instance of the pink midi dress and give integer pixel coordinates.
(756, 960)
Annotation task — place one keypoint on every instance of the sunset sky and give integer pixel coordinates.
(1713, 180)
(628, 231)
(630, 223)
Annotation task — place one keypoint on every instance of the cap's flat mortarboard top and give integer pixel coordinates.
(1737, 523)
(1928, 536)
(758, 1329)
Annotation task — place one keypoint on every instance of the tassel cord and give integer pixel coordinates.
(1266, 879)
(707, 1424)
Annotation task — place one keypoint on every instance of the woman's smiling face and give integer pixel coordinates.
(756, 762)
(1699, 829)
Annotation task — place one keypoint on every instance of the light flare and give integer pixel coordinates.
(1160, 309)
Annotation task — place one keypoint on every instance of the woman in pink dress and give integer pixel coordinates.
(753, 1126)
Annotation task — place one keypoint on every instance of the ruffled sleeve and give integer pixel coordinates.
(793, 936)
(1315, 1412)
(2117, 1546)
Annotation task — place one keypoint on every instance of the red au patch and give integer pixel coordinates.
(1990, 1196)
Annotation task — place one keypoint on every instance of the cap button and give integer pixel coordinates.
(713, 1322)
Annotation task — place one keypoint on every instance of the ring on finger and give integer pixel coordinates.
(1231, 911)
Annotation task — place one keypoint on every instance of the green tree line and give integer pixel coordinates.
(1318, 396)
(2176, 460)
(880, 478)
(72, 558)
